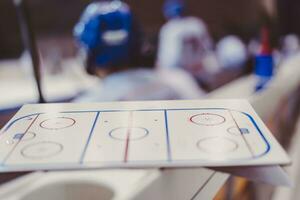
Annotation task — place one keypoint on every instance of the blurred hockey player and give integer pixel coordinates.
(109, 34)
(103, 33)
(184, 42)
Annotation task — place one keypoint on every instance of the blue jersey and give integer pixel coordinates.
(105, 31)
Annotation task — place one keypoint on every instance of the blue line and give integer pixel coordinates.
(14, 121)
(158, 109)
(81, 111)
(89, 138)
(84, 111)
(168, 138)
(261, 134)
(197, 109)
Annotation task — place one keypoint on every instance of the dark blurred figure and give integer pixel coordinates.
(288, 16)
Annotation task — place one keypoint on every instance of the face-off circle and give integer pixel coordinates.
(135, 133)
(207, 119)
(41, 150)
(57, 123)
(217, 145)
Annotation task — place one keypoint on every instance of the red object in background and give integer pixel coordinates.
(265, 48)
(264, 63)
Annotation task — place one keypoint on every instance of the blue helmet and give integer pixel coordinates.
(106, 32)
(173, 8)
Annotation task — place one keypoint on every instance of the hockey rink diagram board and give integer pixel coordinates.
(137, 134)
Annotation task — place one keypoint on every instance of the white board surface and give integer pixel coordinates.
(197, 133)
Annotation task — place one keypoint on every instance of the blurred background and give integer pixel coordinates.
(176, 49)
(52, 24)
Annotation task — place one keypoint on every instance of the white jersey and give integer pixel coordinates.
(144, 84)
(185, 43)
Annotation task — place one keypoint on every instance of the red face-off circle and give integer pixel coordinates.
(57, 123)
(207, 119)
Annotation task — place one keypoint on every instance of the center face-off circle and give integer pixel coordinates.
(207, 119)
(41, 150)
(135, 133)
(57, 123)
(217, 145)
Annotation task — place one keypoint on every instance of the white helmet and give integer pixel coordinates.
(231, 52)
(183, 43)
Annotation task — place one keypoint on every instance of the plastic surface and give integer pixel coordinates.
(141, 134)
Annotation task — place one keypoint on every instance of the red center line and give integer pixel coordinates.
(128, 137)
